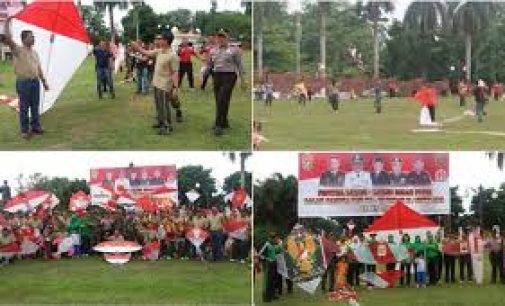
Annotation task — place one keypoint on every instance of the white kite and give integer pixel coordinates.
(61, 41)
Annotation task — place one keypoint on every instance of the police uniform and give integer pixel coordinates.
(377, 101)
(332, 179)
(226, 62)
(398, 179)
(418, 178)
(380, 178)
(357, 179)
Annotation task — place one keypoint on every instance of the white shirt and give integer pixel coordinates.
(358, 180)
(421, 264)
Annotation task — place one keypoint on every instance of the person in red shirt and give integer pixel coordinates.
(186, 52)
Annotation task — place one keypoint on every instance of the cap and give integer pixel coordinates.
(397, 160)
(357, 158)
(378, 159)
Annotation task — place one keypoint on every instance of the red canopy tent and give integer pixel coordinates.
(400, 219)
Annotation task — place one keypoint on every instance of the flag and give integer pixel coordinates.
(384, 279)
(236, 228)
(151, 251)
(79, 201)
(61, 41)
(343, 294)
(238, 198)
(29, 201)
(380, 253)
(427, 96)
(197, 236)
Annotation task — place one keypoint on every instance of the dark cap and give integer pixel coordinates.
(378, 159)
(357, 158)
(168, 36)
(397, 160)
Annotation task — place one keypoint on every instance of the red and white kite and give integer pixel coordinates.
(197, 236)
(61, 41)
(236, 229)
(30, 200)
(79, 201)
(117, 247)
(238, 198)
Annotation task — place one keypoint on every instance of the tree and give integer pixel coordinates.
(234, 181)
(488, 205)
(93, 20)
(148, 22)
(373, 11)
(243, 157)
(456, 209)
(199, 179)
(469, 18)
(109, 6)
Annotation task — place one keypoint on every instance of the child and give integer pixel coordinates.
(420, 271)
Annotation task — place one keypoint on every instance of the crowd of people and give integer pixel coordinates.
(163, 67)
(40, 236)
(429, 262)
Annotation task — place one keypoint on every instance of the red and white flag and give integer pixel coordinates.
(61, 41)
(102, 196)
(79, 201)
(238, 198)
(197, 236)
(151, 251)
(236, 229)
(29, 201)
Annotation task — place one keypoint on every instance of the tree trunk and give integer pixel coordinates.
(298, 44)
(242, 170)
(322, 42)
(137, 25)
(111, 20)
(468, 56)
(376, 49)
(260, 52)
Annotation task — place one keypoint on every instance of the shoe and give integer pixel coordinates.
(218, 131)
(178, 116)
(242, 261)
(163, 131)
(38, 131)
(25, 135)
(156, 126)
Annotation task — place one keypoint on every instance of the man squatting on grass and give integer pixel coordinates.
(226, 63)
(28, 73)
(165, 81)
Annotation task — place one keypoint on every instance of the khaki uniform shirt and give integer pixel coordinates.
(166, 64)
(26, 63)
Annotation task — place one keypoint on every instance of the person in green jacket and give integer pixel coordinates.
(74, 228)
(269, 254)
(432, 256)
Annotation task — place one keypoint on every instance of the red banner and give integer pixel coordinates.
(353, 184)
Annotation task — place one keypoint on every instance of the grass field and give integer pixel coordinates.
(79, 120)
(466, 294)
(357, 126)
(93, 281)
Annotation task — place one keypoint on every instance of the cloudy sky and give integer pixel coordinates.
(77, 164)
(467, 169)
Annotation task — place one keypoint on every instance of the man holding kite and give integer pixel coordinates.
(28, 72)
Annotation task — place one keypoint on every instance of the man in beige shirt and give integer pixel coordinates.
(165, 81)
(28, 73)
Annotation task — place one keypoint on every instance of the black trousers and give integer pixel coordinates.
(206, 74)
(462, 101)
(223, 88)
(431, 109)
(433, 270)
(334, 102)
(465, 261)
(450, 268)
(353, 273)
(329, 275)
(406, 275)
(186, 68)
(271, 270)
(496, 259)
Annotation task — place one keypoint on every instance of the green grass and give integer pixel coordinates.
(356, 126)
(467, 294)
(93, 281)
(79, 120)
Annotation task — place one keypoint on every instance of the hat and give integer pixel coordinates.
(397, 160)
(222, 32)
(357, 158)
(378, 159)
(168, 36)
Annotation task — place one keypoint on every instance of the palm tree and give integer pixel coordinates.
(232, 156)
(468, 18)
(263, 11)
(109, 6)
(373, 11)
(427, 19)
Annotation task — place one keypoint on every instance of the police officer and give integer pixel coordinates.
(418, 176)
(333, 177)
(397, 177)
(227, 64)
(378, 175)
(357, 178)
